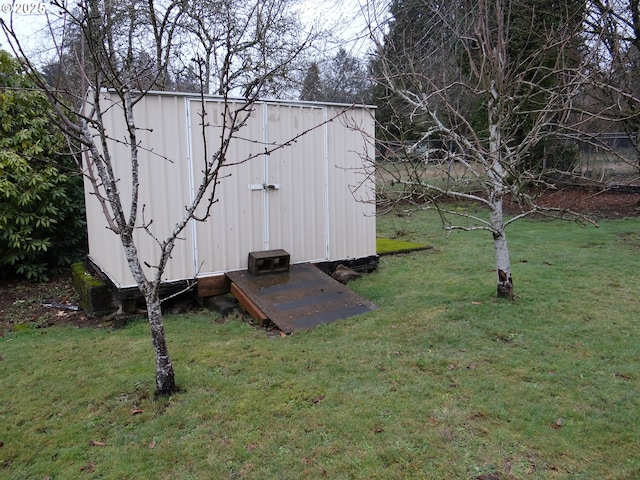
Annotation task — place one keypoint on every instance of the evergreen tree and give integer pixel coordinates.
(425, 40)
(553, 22)
(312, 85)
(419, 44)
(346, 80)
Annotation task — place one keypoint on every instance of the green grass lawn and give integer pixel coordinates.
(443, 381)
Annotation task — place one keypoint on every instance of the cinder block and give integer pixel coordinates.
(268, 261)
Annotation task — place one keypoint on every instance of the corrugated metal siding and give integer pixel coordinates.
(237, 219)
(351, 201)
(313, 214)
(164, 181)
(164, 188)
(297, 215)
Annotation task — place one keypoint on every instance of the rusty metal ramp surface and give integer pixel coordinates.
(299, 299)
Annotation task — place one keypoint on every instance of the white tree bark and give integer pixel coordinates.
(497, 175)
(503, 264)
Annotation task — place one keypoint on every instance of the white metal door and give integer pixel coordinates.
(273, 193)
(296, 182)
(236, 222)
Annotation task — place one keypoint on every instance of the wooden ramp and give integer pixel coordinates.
(299, 299)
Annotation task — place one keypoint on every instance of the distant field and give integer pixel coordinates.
(593, 164)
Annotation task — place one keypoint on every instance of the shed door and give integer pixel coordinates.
(235, 224)
(274, 200)
(296, 196)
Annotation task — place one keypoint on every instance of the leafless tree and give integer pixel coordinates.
(480, 150)
(113, 35)
(164, 21)
(260, 36)
(613, 27)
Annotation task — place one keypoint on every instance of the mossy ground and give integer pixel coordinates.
(386, 246)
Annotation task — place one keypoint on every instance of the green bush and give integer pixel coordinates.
(42, 225)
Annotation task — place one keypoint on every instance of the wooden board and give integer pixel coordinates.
(213, 285)
(251, 308)
(299, 299)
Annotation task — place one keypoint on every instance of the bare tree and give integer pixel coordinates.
(112, 38)
(614, 30)
(476, 125)
(164, 21)
(262, 37)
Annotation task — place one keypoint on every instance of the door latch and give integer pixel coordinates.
(264, 186)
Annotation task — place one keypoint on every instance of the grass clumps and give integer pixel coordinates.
(442, 381)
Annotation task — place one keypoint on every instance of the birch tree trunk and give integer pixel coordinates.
(498, 186)
(503, 264)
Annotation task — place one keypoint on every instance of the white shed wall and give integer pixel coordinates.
(352, 200)
(164, 188)
(297, 209)
(315, 209)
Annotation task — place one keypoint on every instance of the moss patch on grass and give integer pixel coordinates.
(388, 246)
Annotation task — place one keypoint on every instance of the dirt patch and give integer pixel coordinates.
(596, 204)
(39, 305)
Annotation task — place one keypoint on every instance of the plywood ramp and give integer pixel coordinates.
(299, 299)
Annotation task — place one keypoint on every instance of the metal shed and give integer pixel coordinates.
(312, 198)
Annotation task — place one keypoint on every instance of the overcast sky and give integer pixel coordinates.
(31, 28)
(344, 17)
